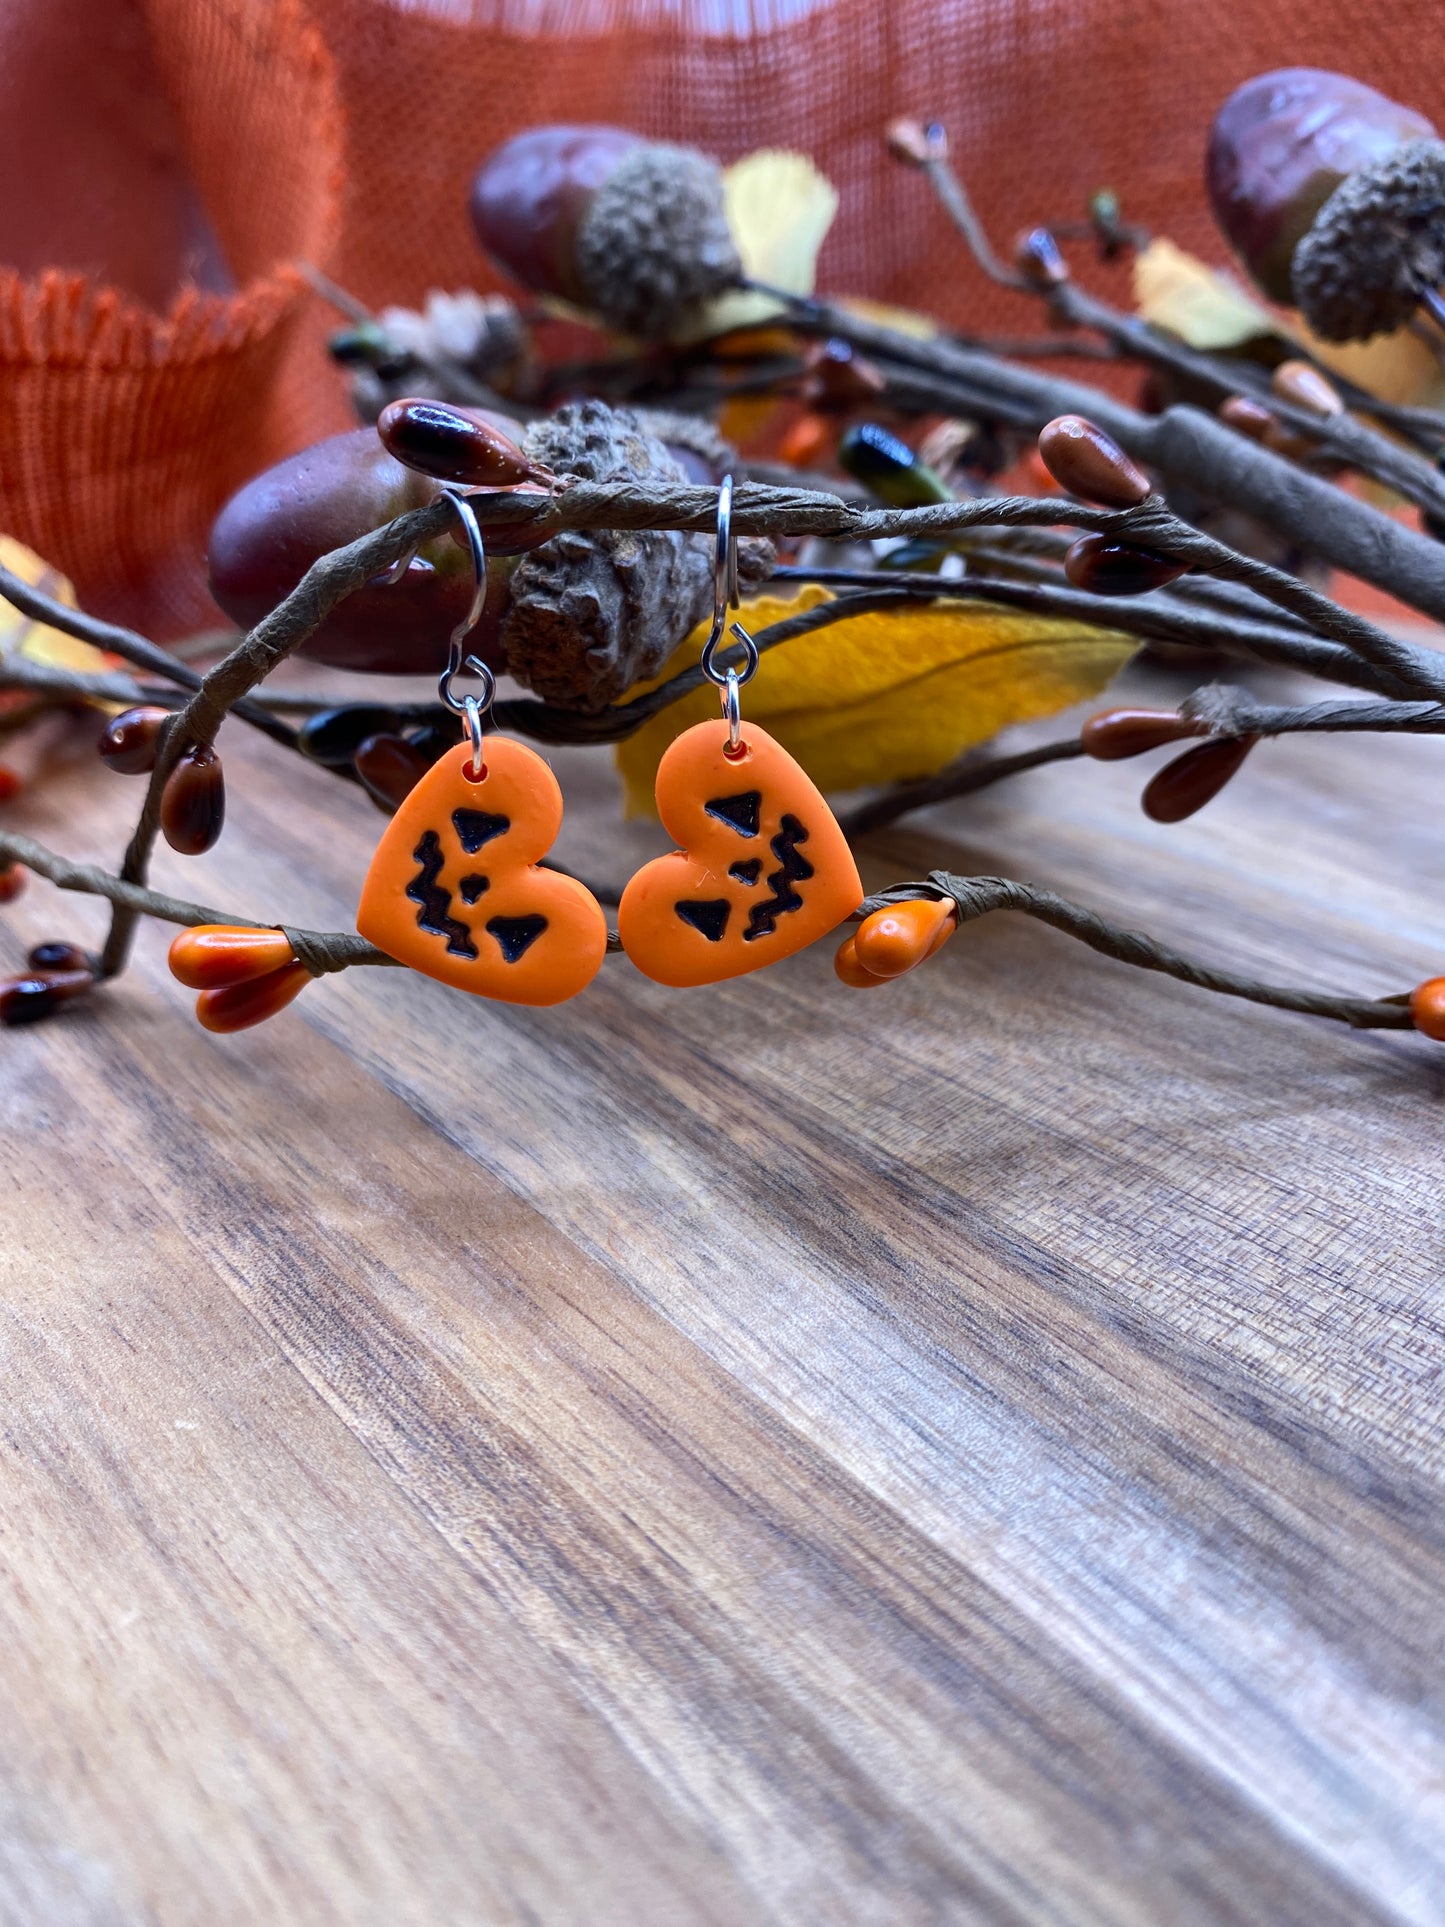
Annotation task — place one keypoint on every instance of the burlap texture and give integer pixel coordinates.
(351, 139)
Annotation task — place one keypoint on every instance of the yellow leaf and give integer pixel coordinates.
(20, 636)
(883, 314)
(779, 208)
(1208, 310)
(885, 697)
(1400, 367)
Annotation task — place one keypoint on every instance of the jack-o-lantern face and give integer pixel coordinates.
(453, 890)
(763, 870)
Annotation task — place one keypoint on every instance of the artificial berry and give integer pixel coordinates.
(850, 971)
(12, 882)
(215, 956)
(46, 957)
(1427, 1007)
(806, 441)
(839, 377)
(1195, 778)
(1247, 416)
(11, 783)
(1116, 733)
(193, 802)
(332, 736)
(1090, 464)
(128, 743)
(391, 768)
(25, 1000)
(456, 444)
(1105, 566)
(1040, 260)
(901, 935)
(239, 1006)
(1301, 383)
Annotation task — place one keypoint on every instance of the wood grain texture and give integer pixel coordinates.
(972, 1451)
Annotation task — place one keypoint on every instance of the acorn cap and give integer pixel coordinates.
(654, 242)
(1375, 244)
(704, 451)
(594, 611)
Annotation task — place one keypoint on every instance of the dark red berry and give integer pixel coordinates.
(1104, 566)
(1117, 733)
(1195, 778)
(25, 1000)
(391, 767)
(193, 803)
(128, 742)
(1091, 464)
(46, 957)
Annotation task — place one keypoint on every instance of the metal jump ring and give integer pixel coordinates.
(456, 660)
(733, 712)
(725, 594)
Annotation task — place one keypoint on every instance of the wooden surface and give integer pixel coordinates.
(969, 1451)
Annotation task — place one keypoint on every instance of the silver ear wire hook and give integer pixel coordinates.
(471, 708)
(725, 597)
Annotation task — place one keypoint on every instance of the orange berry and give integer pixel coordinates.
(901, 935)
(215, 956)
(12, 882)
(850, 971)
(805, 442)
(11, 783)
(238, 1006)
(1427, 1007)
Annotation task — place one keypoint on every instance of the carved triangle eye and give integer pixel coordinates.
(516, 935)
(711, 918)
(476, 827)
(740, 812)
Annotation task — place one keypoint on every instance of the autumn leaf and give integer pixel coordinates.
(1208, 310)
(779, 208)
(21, 636)
(889, 696)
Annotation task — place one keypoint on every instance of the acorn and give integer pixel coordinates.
(193, 802)
(1376, 249)
(633, 230)
(1105, 566)
(593, 611)
(129, 741)
(456, 444)
(1280, 147)
(272, 530)
(1090, 464)
(1195, 778)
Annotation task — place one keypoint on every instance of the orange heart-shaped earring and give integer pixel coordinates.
(764, 869)
(454, 890)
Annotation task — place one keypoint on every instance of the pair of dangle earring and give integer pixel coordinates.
(762, 869)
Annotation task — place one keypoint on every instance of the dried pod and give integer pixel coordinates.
(902, 935)
(128, 742)
(874, 456)
(333, 736)
(1280, 146)
(914, 144)
(1104, 566)
(593, 611)
(239, 1006)
(25, 1000)
(212, 956)
(391, 767)
(12, 881)
(1375, 247)
(453, 342)
(1091, 464)
(46, 958)
(849, 971)
(1303, 384)
(1195, 778)
(193, 802)
(1247, 416)
(634, 230)
(1427, 1007)
(1115, 734)
(1040, 259)
(455, 444)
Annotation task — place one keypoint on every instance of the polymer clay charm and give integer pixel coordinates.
(454, 890)
(763, 869)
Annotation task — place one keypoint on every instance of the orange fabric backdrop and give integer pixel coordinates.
(350, 137)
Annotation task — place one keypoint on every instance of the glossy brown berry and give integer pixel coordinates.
(239, 1006)
(193, 803)
(806, 442)
(1195, 778)
(902, 935)
(1247, 416)
(213, 956)
(1090, 464)
(1303, 384)
(456, 444)
(1280, 146)
(12, 881)
(391, 767)
(47, 957)
(838, 377)
(1427, 1007)
(849, 971)
(1105, 566)
(915, 144)
(1115, 734)
(128, 742)
(25, 1000)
